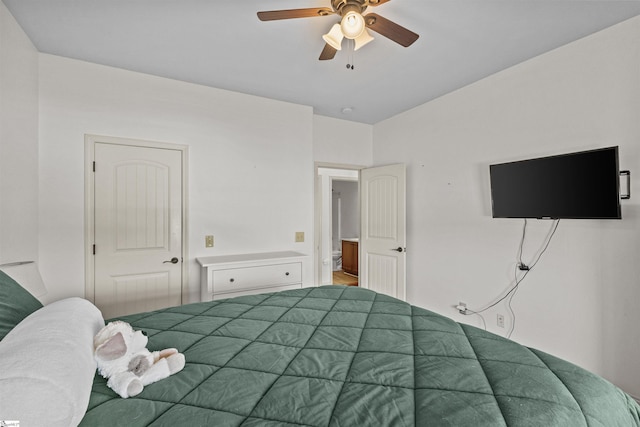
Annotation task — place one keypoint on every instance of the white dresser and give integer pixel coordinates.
(227, 276)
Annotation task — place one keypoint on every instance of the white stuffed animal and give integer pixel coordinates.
(123, 358)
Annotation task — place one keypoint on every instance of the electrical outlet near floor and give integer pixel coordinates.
(299, 236)
(500, 320)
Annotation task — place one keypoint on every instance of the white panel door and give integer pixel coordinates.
(138, 228)
(383, 230)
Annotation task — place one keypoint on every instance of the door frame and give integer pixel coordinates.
(90, 142)
(317, 256)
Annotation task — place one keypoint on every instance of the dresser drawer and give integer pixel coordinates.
(238, 279)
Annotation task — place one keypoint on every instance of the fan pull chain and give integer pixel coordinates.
(351, 45)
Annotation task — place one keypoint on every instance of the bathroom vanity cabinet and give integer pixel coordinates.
(350, 257)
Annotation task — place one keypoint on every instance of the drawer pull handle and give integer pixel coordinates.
(287, 273)
(232, 280)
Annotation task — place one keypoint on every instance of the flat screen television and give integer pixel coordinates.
(581, 185)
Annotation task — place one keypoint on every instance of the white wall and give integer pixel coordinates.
(580, 302)
(349, 209)
(340, 142)
(251, 160)
(250, 166)
(18, 143)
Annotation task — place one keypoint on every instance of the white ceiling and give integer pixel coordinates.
(221, 43)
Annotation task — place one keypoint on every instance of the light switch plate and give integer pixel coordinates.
(208, 241)
(299, 236)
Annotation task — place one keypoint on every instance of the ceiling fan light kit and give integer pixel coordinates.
(353, 24)
(363, 39)
(334, 37)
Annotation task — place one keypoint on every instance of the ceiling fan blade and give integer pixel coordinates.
(390, 29)
(273, 15)
(327, 53)
(377, 2)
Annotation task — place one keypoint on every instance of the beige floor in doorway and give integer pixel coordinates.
(342, 278)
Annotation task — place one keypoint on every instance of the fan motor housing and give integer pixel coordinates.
(343, 6)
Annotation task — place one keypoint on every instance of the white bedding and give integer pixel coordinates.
(48, 365)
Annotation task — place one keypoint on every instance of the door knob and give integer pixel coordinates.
(173, 260)
(398, 249)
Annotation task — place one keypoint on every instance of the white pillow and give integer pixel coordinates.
(47, 365)
(26, 273)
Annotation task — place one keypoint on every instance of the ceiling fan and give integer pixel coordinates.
(353, 24)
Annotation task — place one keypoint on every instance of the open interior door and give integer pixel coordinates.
(383, 230)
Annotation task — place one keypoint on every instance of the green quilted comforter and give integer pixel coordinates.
(344, 356)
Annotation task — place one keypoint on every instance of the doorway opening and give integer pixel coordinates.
(382, 240)
(337, 225)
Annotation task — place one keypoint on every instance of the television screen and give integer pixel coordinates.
(583, 185)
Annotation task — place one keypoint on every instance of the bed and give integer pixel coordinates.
(330, 356)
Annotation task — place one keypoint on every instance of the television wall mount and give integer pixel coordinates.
(627, 175)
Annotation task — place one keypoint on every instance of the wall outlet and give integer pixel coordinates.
(500, 320)
(208, 241)
(299, 236)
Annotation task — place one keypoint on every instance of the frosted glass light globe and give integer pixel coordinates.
(352, 25)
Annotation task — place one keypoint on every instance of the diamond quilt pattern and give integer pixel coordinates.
(346, 356)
